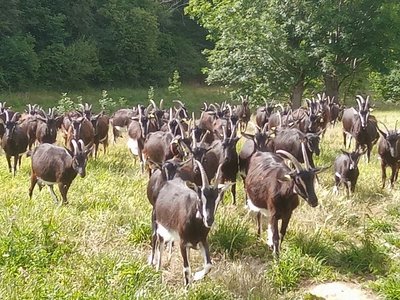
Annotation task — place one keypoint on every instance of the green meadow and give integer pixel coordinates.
(97, 246)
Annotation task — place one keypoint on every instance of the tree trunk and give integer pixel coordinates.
(332, 86)
(297, 93)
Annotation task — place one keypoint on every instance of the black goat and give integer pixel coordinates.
(14, 141)
(81, 129)
(243, 113)
(360, 125)
(121, 119)
(273, 188)
(389, 152)
(46, 131)
(261, 141)
(186, 216)
(290, 140)
(346, 170)
(100, 124)
(57, 165)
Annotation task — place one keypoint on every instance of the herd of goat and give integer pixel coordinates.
(192, 162)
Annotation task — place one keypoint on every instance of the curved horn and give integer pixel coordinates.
(154, 104)
(170, 114)
(183, 133)
(305, 157)
(204, 179)
(75, 146)
(217, 175)
(224, 132)
(7, 115)
(161, 104)
(44, 114)
(179, 102)
(230, 110)
(204, 138)
(193, 120)
(387, 130)
(359, 104)
(81, 106)
(140, 111)
(360, 101)
(292, 158)
(366, 103)
(193, 140)
(81, 144)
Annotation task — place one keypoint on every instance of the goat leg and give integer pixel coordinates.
(393, 177)
(15, 164)
(53, 195)
(33, 183)
(207, 261)
(8, 157)
(284, 224)
(63, 187)
(186, 266)
(383, 167)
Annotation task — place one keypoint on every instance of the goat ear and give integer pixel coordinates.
(247, 135)
(381, 132)
(89, 150)
(344, 152)
(192, 186)
(223, 187)
(287, 177)
(70, 152)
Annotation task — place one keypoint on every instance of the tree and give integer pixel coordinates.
(261, 48)
(281, 47)
(354, 35)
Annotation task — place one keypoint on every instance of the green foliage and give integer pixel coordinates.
(231, 236)
(291, 268)
(65, 44)
(386, 87)
(175, 85)
(66, 104)
(150, 93)
(18, 62)
(107, 103)
(280, 47)
(389, 287)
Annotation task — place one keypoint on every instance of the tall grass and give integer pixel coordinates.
(97, 246)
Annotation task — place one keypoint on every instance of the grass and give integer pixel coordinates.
(97, 246)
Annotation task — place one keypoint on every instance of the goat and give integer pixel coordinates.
(14, 141)
(263, 113)
(290, 139)
(46, 131)
(186, 216)
(360, 125)
(29, 123)
(57, 165)
(261, 141)
(243, 113)
(274, 187)
(346, 170)
(389, 152)
(137, 132)
(160, 146)
(120, 119)
(100, 124)
(81, 129)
